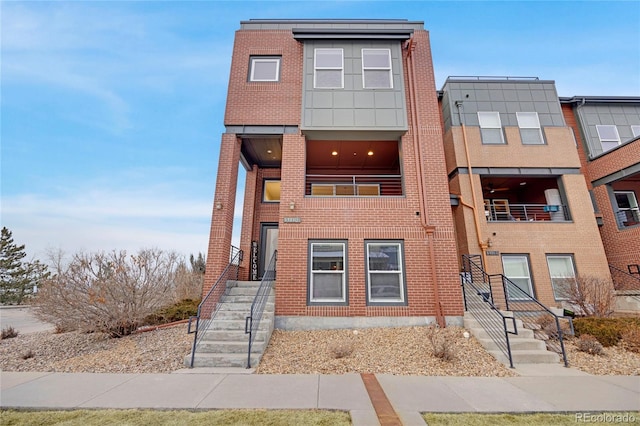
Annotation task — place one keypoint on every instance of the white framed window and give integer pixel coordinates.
(608, 135)
(327, 275)
(328, 66)
(264, 68)
(490, 127)
(385, 272)
(516, 269)
(628, 212)
(635, 131)
(376, 69)
(563, 275)
(271, 191)
(529, 124)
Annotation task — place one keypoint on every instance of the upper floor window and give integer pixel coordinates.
(264, 68)
(328, 69)
(609, 137)
(490, 127)
(376, 69)
(635, 130)
(529, 125)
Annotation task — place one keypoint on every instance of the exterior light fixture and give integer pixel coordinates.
(218, 205)
(269, 151)
(292, 205)
(370, 153)
(334, 153)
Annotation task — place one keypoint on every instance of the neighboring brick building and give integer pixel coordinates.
(371, 184)
(608, 133)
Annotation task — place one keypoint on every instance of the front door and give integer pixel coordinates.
(268, 244)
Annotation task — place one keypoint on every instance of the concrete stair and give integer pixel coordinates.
(225, 343)
(525, 348)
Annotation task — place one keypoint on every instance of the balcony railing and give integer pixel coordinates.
(507, 212)
(353, 185)
(629, 217)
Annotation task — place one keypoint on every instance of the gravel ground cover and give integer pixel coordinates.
(401, 351)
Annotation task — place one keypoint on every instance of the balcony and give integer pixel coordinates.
(318, 185)
(503, 211)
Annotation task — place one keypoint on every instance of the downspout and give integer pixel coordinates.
(481, 243)
(424, 220)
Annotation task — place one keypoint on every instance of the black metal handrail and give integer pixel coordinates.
(490, 318)
(622, 280)
(208, 308)
(535, 315)
(252, 322)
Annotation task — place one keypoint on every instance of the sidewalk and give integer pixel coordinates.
(538, 389)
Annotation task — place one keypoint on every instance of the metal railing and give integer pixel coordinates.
(545, 324)
(478, 301)
(353, 185)
(528, 213)
(623, 280)
(252, 322)
(208, 308)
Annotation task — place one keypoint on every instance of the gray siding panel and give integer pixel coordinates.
(354, 107)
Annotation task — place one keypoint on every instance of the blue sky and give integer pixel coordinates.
(112, 112)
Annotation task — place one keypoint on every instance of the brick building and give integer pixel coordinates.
(371, 184)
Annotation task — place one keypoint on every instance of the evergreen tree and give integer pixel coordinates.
(17, 277)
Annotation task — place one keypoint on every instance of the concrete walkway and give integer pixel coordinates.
(539, 388)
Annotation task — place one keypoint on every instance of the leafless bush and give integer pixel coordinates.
(442, 348)
(107, 292)
(631, 339)
(9, 333)
(589, 344)
(28, 354)
(188, 283)
(591, 296)
(341, 349)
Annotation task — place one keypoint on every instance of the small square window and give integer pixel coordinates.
(328, 69)
(490, 127)
(264, 68)
(609, 137)
(271, 193)
(376, 69)
(529, 125)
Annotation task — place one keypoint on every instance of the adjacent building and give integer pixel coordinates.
(371, 184)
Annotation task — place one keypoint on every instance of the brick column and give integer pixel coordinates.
(223, 210)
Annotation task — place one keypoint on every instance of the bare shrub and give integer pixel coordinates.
(631, 339)
(188, 283)
(28, 354)
(106, 292)
(341, 349)
(590, 295)
(9, 333)
(442, 348)
(589, 344)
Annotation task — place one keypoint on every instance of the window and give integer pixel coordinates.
(385, 277)
(490, 127)
(563, 275)
(628, 213)
(328, 69)
(516, 268)
(271, 191)
(529, 125)
(635, 131)
(376, 69)
(609, 137)
(327, 278)
(264, 68)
